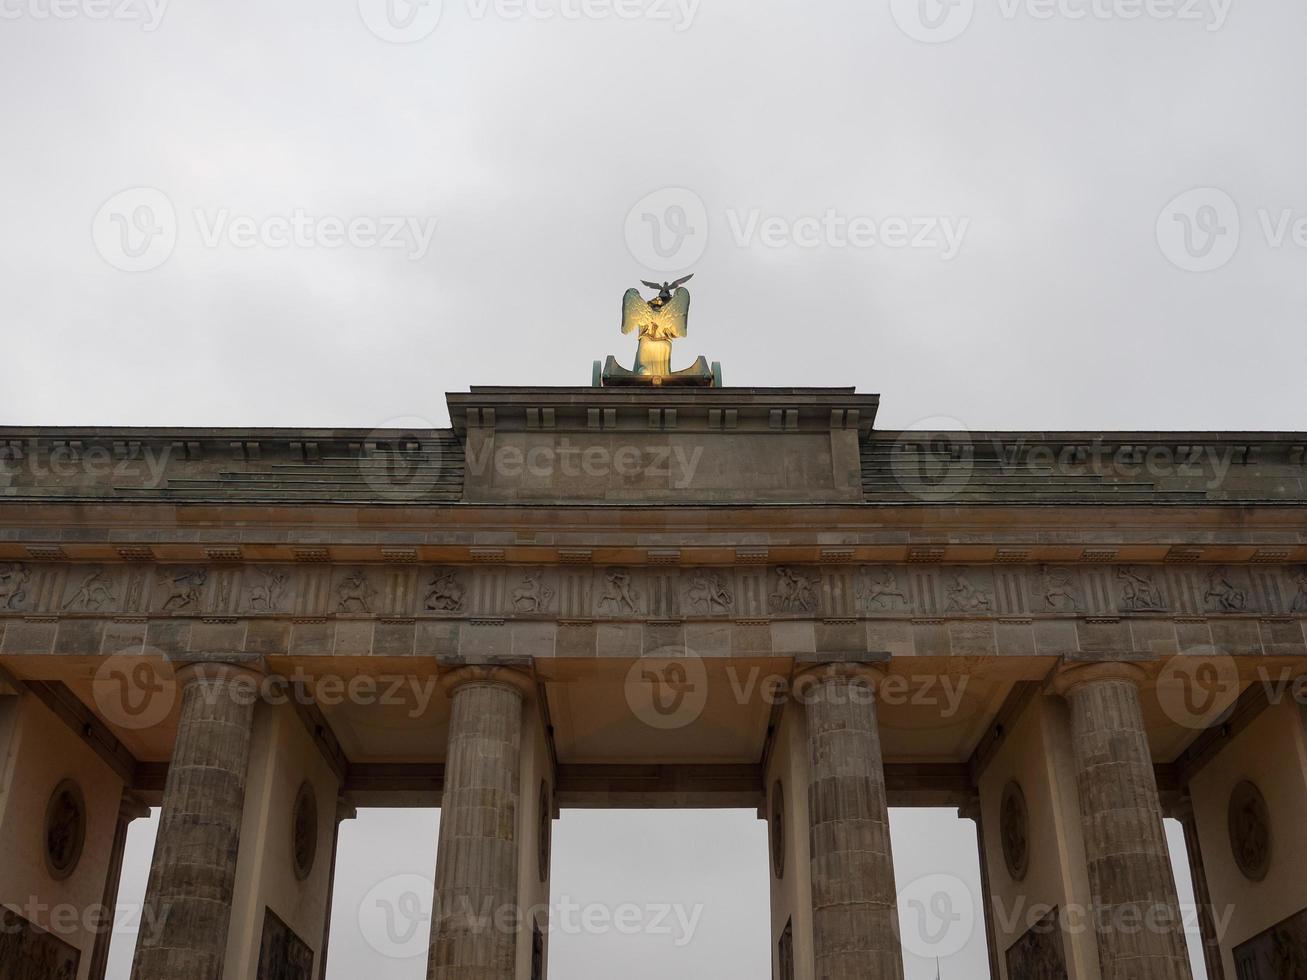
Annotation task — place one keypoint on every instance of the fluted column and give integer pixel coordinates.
(973, 811)
(854, 901)
(344, 811)
(475, 918)
(188, 899)
(129, 809)
(1136, 911)
(1183, 811)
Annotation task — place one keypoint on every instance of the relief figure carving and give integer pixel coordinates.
(1137, 589)
(95, 592)
(355, 593)
(445, 592)
(1058, 588)
(708, 593)
(13, 585)
(795, 591)
(184, 588)
(965, 596)
(1222, 594)
(620, 594)
(266, 596)
(880, 590)
(1299, 576)
(534, 594)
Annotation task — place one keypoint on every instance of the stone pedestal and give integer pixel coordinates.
(189, 893)
(475, 923)
(1136, 912)
(854, 901)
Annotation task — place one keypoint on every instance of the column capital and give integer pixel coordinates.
(494, 674)
(1071, 675)
(970, 810)
(807, 675)
(190, 669)
(130, 808)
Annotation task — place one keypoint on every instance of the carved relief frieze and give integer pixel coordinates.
(708, 594)
(15, 578)
(267, 589)
(1057, 589)
(618, 594)
(355, 593)
(968, 591)
(581, 592)
(534, 593)
(445, 591)
(882, 589)
(794, 590)
(92, 589)
(1139, 589)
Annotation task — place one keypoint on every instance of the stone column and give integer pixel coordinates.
(854, 901)
(1183, 811)
(188, 898)
(344, 811)
(972, 811)
(474, 920)
(1136, 911)
(129, 809)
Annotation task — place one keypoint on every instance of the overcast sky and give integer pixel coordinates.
(1014, 213)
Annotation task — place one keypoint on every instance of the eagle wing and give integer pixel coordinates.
(675, 313)
(635, 311)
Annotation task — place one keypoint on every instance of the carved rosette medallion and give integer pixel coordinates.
(304, 831)
(1014, 831)
(778, 829)
(1250, 831)
(65, 829)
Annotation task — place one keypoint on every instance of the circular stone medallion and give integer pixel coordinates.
(778, 829)
(65, 829)
(1250, 831)
(304, 831)
(1014, 831)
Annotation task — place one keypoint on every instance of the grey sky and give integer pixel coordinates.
(1054, 146)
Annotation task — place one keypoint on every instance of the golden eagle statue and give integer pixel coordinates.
(657, 322)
